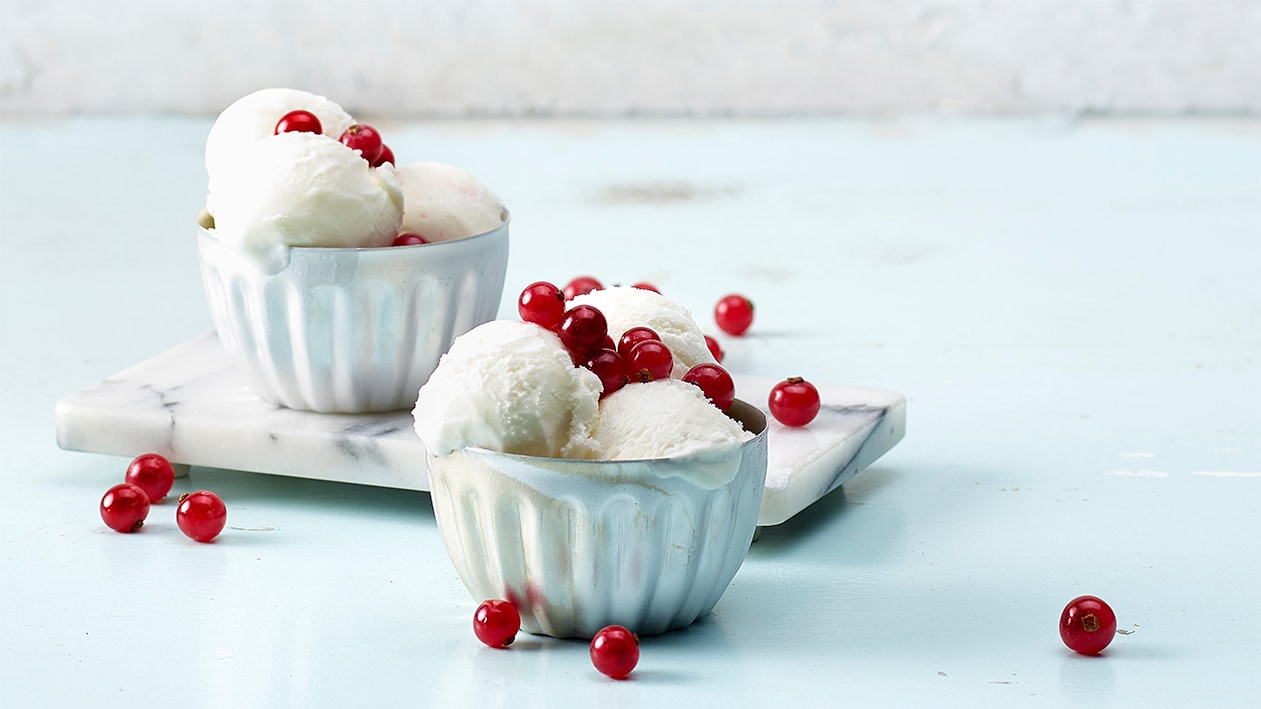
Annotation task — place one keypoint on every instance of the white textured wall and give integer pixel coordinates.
(424, 58)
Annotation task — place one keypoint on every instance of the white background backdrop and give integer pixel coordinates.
(458, 58)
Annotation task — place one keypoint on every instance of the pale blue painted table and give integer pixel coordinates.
(1072, 310)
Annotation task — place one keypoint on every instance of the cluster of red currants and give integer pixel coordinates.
(360, 136)
(614, 650)
(201, 515)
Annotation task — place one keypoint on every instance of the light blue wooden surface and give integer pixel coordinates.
(1072, 309)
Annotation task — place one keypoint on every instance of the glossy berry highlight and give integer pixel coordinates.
(609, 367)
(794, 402)
(633, 337)
(649, 360)
(715, 382)
(365, 139)
(299, 122)
(542, 304)
(124, 507)
(615, 651)
(734, 314)
(715, 349)
(151, 473)
(1087, 625)
(583, 329)
(201, 515)
(496, 623)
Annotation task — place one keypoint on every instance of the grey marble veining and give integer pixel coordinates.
(191, 405)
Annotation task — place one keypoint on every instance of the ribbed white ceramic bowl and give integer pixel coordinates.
(579, 545)
(351, 330)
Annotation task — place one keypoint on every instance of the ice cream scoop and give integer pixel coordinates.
(662, 419)
(511, 387)
(304, 189)
(254, 116)
(625, 307)
(442, 202)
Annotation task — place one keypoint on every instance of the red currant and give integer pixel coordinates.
(1087, 625)
(649, 360)
(299, 122)
(386, 155)
(151, 473)
(633, 337)
(647, 286)
(365, 139)
(609, 367)
(583, 328)
(615, 651)
(542, 304)
(496, 623)
(581, 285)
(124, 507)
(715, 382)
(201, 515)
(714, 348)
(409, 239)
(734, 314)
(794, 402)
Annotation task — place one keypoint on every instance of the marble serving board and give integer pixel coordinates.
(191, 405)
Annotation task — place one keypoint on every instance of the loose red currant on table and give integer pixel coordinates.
(409, 239)
(581, 285)
(385, 156)
(734, 314)
(714, 348)
(615, 651)
(1087, 625)
(715, 382)
(583, 329)
(633, 337)
(151, 473)
(794, 402)
(649, 360)
(299, 122)
(496, 623)
(201, 515)
(609, 367)
(365, 139)
(542, 304)
(124, 507)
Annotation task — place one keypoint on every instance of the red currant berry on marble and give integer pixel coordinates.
(647, 286)
(609, 367)
(542, 304)
(715, 382)
(299, 122)
(409, 239)
(1087, 625)
(496, 623)
(794, 402)
(649, 360)
(734, 314)
(583, 329)
(201, 515)
(365, 139)
(151, 473)
(124, 507)
(615, 651)
(581, 285)
(633, 337)
(386, 155)
(715, 349)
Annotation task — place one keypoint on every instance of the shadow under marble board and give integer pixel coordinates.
(191, 405)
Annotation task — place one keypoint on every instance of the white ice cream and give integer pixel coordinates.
(304, 189)
(253, 117)
(509, 386)
(625, 307)
(662, 419)
(442, 202)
